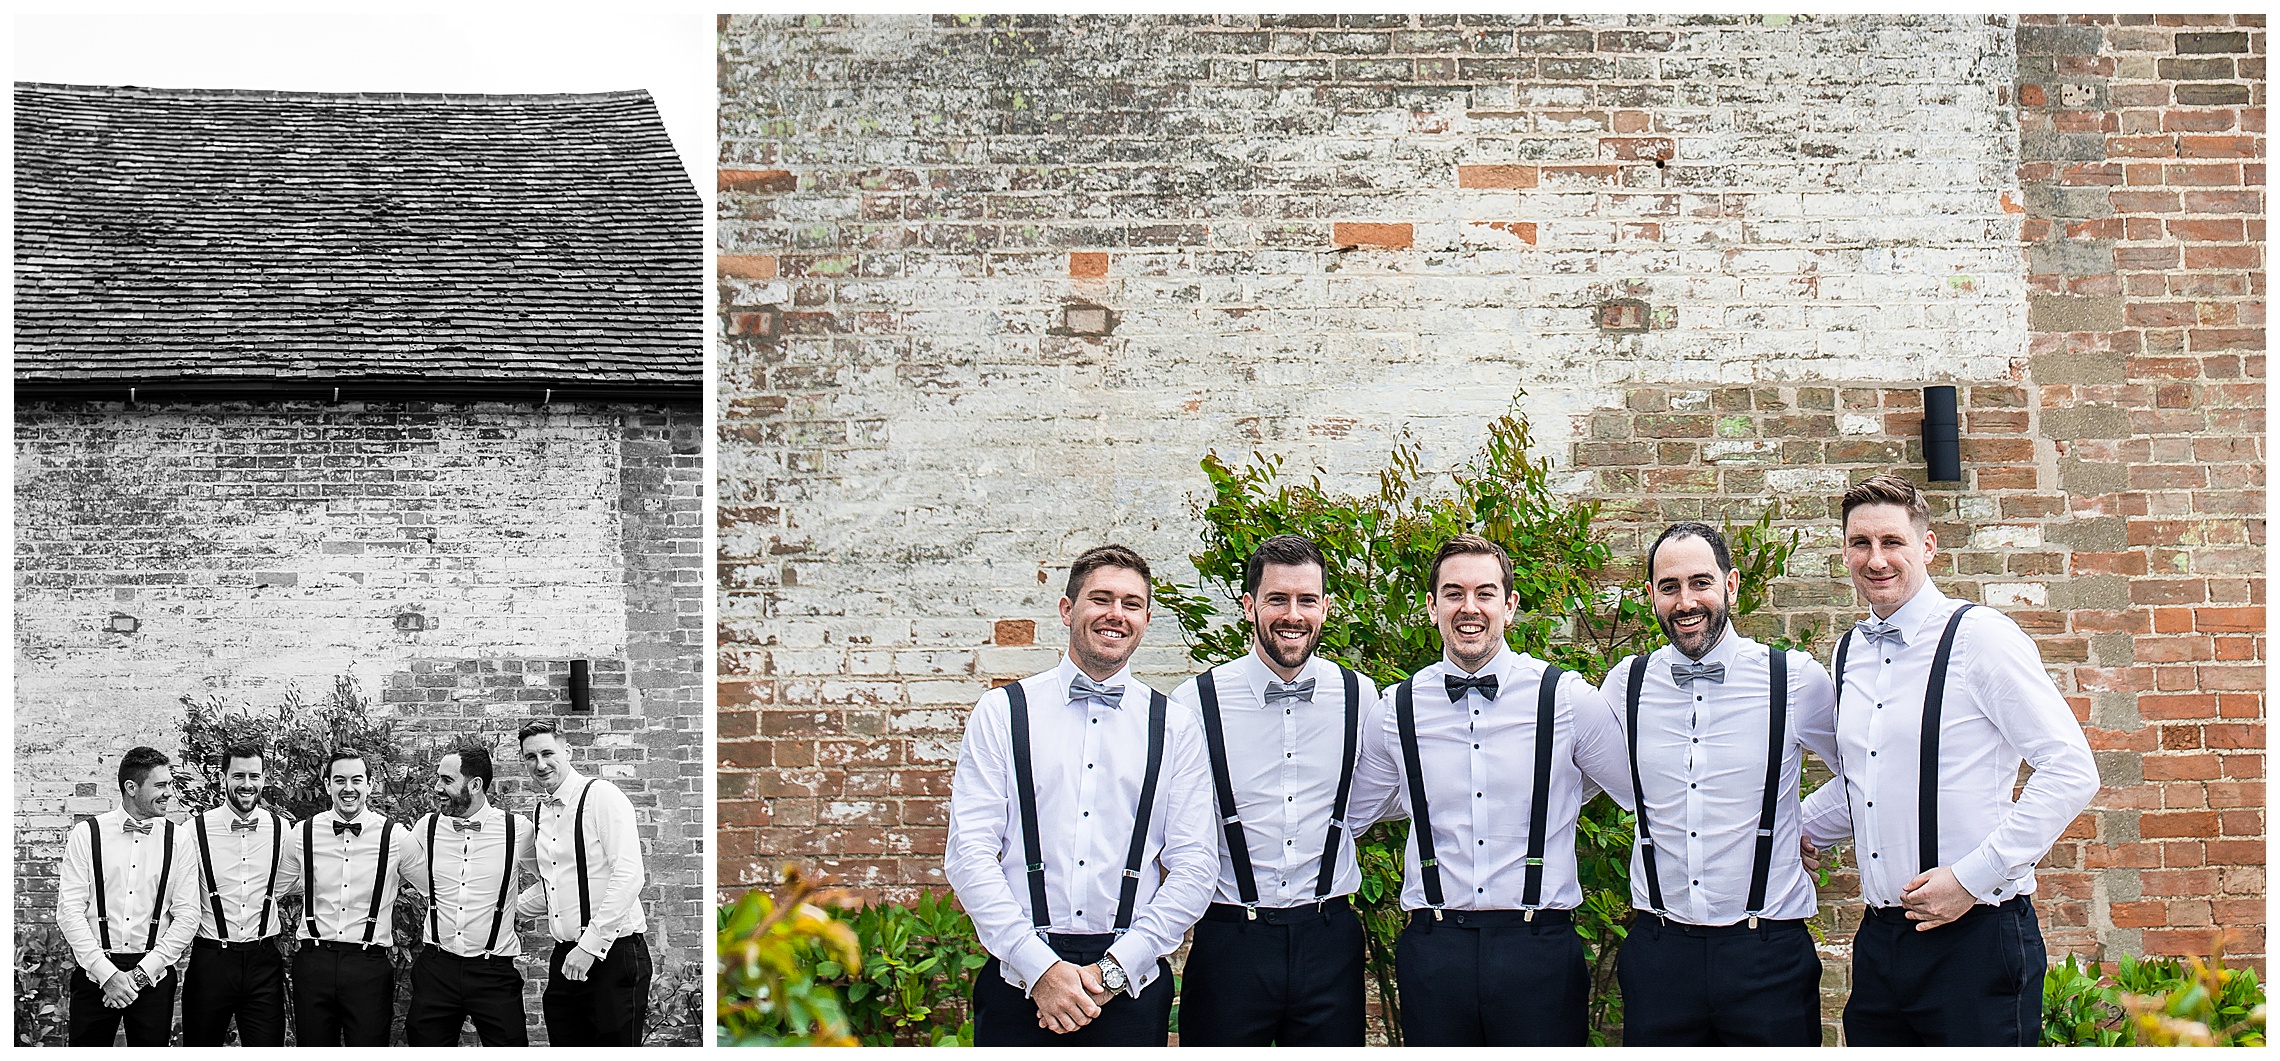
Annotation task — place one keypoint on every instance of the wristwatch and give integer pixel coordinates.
(142, 980)
(1111, 974)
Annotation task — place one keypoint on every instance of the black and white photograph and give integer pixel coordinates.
(359, 519)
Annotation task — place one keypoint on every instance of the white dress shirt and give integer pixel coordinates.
(1088, 763)
(242, 864)
(1283, 763)
(132, 864)
(466, 866)
(1479, 761)
(1702, 763)
(2000, 708)
(339, 884)
(614, 873)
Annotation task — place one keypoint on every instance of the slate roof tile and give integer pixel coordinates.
(295, 236)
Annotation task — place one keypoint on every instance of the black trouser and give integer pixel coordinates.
(608, 1007)
(343, 994)
(1289, 977)
(1975, 981)
(1492, 978)
(448, 991)
(1727, 985)
(1003, 1016)
(241, 980)
(149, 1019)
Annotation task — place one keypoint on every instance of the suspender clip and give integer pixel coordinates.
(1528, 914)
(1753, 920)
(1532, 861)
(1765, 832)
(1436, 913)
(1036, 866)
(1132, 873)
(1230, 819)
(1250, 911)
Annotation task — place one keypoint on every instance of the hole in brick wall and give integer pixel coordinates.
(1623, 315)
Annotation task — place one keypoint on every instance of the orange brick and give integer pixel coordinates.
(747, 266)
(1088, 263)
(1496, 176)
(758, 180)
(2194, 823)
(1362, 234)
(2229, 620)
(2142, 914)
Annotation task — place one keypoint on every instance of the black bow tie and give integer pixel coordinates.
(1485, 684)
(244, 825)
(351, 828)
(466, 825)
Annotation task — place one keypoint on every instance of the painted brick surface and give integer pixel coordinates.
(267, 547)
(1008, 279)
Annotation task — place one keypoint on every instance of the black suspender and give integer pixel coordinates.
(1420, 815)
(1025, 785)
(102, 906)
(1230, 817)
(276, 855)
(435, 900)
(1928, 766)
(158, 901)
(1128, 892)
(578, 840)
(1539, 802)
(1928, 739)
(213, 885)
(1776, 753)
(506, 883)
(309, 872)
(1638, 788)
(1323, 881)
(379, 878)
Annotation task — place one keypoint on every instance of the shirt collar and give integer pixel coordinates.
(572, 783)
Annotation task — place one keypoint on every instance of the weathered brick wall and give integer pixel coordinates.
(992, 288)
(267, 547)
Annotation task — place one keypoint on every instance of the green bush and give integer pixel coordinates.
(43, 966)
(1574, 611)
(917, 974)
(2152, 1002)
(770, 949)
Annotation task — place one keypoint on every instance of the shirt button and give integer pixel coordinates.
(1287, 799)
(1873, 854)
(1096, 722)
(1697, 882)
(1691, 784)
(1482, 843)
(1089, 766)
(1080, 862)
(1690, 833)
(1477, 891)
(1088, 814)
(1476, 747)
(1872, 803)
(1872, 755)
(1695, 740)
(1478, 795)
(1887, 661)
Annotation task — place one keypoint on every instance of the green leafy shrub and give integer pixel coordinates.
(917, 974)
(42, 967)
(1574, 611)
(2153, 1002)
(770, 951)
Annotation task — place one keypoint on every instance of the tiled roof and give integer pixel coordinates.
(295, 237)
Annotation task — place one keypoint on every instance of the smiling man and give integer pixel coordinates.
(236, 971)
(1277, 958)
(1080, 831)
(127, 904)
(1947, 698)
(1714, 723)
(1492, 751)
(348, 865)
(589, 888)
(467, 858)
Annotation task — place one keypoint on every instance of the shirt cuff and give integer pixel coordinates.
(153, 968)
(593, 942)
(101, 970)
(1029, 962)
(1978, 875)
(1139, 966)
(1823, 831)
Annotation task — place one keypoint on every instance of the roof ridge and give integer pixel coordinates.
(263, 93)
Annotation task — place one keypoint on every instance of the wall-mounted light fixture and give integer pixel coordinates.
(1943, 445)
(410, 622)
(581, 685)
(122, 623)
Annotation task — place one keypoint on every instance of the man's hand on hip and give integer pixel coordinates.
(1935, 898)
(1064, 998)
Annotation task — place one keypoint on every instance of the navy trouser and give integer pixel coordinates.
(1003, 1016)
(245, 981)
(1975, 981)
(1492, 978)
(449, 990)
(1289, 977)
(149, 1019)
(608, 1007)
(1724, 985)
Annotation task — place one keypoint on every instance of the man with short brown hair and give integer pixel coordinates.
(1947, 699)
(1080, 831)
(127, 904)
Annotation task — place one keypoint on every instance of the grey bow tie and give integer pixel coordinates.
(1084, 690)
(1302, 689)
(1880, 630)
(1683, 673)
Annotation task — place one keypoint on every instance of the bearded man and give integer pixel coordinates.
(1713, 725)
(237, 971)
(1277, 958)
(467, 858)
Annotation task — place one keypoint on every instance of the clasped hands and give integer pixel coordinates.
(1068, 997)
(120, 990)
(1932, 899)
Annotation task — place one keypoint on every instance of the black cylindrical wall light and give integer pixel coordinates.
(581, 685)
(1943, 447)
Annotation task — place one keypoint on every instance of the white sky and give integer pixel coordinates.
(669, 53)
